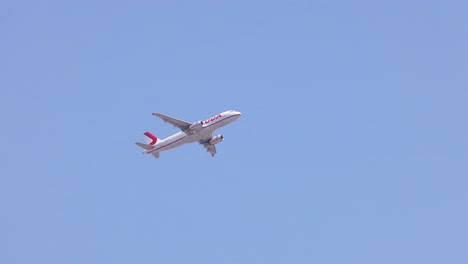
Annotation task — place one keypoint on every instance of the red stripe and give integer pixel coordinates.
(153, 150)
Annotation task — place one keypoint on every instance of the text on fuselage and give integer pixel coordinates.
(212, 119)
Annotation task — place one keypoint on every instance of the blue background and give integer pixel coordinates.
(352, 146)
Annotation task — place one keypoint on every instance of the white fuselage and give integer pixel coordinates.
(208, 127)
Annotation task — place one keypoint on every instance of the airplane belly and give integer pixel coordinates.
(205, 133)
(173, 145)
(170, 144)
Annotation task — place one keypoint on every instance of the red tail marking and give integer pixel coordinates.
(153, 137)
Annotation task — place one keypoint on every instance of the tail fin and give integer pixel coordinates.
(150, 139)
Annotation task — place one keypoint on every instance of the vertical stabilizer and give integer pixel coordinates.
(150, 139)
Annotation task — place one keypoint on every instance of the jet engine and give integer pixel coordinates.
(216, 139)
(196, 126)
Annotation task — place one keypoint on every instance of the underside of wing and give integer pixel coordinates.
(209, 147)
(183, 125)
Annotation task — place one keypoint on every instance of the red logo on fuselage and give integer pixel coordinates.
(212, 119)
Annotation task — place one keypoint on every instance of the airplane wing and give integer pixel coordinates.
(209, 147)
(183, 125)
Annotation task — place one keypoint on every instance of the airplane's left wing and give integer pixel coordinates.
(209, 147)
(183, 125)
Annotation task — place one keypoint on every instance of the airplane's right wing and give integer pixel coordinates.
(183, 125)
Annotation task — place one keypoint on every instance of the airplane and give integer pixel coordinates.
(201, 131)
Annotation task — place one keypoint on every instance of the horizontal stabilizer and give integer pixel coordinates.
(145, 146)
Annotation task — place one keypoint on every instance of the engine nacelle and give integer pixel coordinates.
(196, 126)
(216, 139)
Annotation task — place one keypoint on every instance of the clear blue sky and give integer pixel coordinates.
(352, 146)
